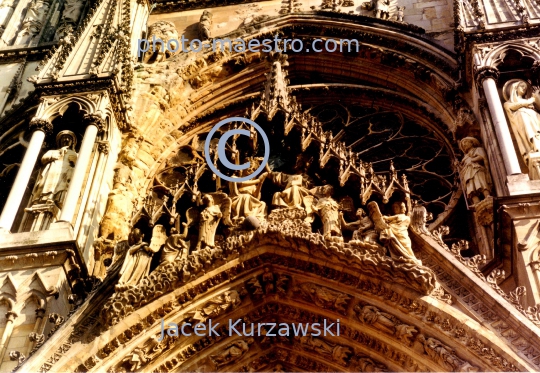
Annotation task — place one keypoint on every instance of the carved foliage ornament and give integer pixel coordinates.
(41, 125)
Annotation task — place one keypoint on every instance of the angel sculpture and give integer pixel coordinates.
(393, 230)
(217, 206)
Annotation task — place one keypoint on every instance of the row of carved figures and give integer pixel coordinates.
(376, 232)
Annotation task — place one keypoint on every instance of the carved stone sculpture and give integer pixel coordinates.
(55, 176)
(6, 10)
(164, 31)
(400, 13)
(175, 247)
(521, 109)
(246, 197)
(474, 170)
(210, 217)
(217, 306)
(268, 281)
(393, 230)
(324, 297)
(385, 322)
(363, 228)
(381, 8)
(205, 25)
(336, 352)
(295, 194)
(373, 316)
(137, 262)
(232, 352)
(328, 210)
(72, 11)
(32, 22)
(115, 225)
(70, 17)
(445, 355)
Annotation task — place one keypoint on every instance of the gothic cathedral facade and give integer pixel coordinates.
(269, 186)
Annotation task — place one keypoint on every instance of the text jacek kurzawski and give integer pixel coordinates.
(239, 328)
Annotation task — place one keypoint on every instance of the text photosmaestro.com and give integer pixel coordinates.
(254, 45)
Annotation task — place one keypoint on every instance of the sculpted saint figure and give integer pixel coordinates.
(522, 114)
(328, 210)
(137, 262)
(295, 194)
(58, 168)
(363, 228)
(246, 197)
(208, 223)
(475, 170)
(232, 352)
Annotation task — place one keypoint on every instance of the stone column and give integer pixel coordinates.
(89, 202)
(487, 77)
(10, 318)
(95, 124)
(40, 128)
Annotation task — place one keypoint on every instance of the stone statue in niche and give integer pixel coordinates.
(137, 262)
(363, 228)
(521, 108)
(32, 22)
(474, 170)
(165, 31)
(246, 196)
(328, 209)
(232, 352)
(393, 230)
(54, 178)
